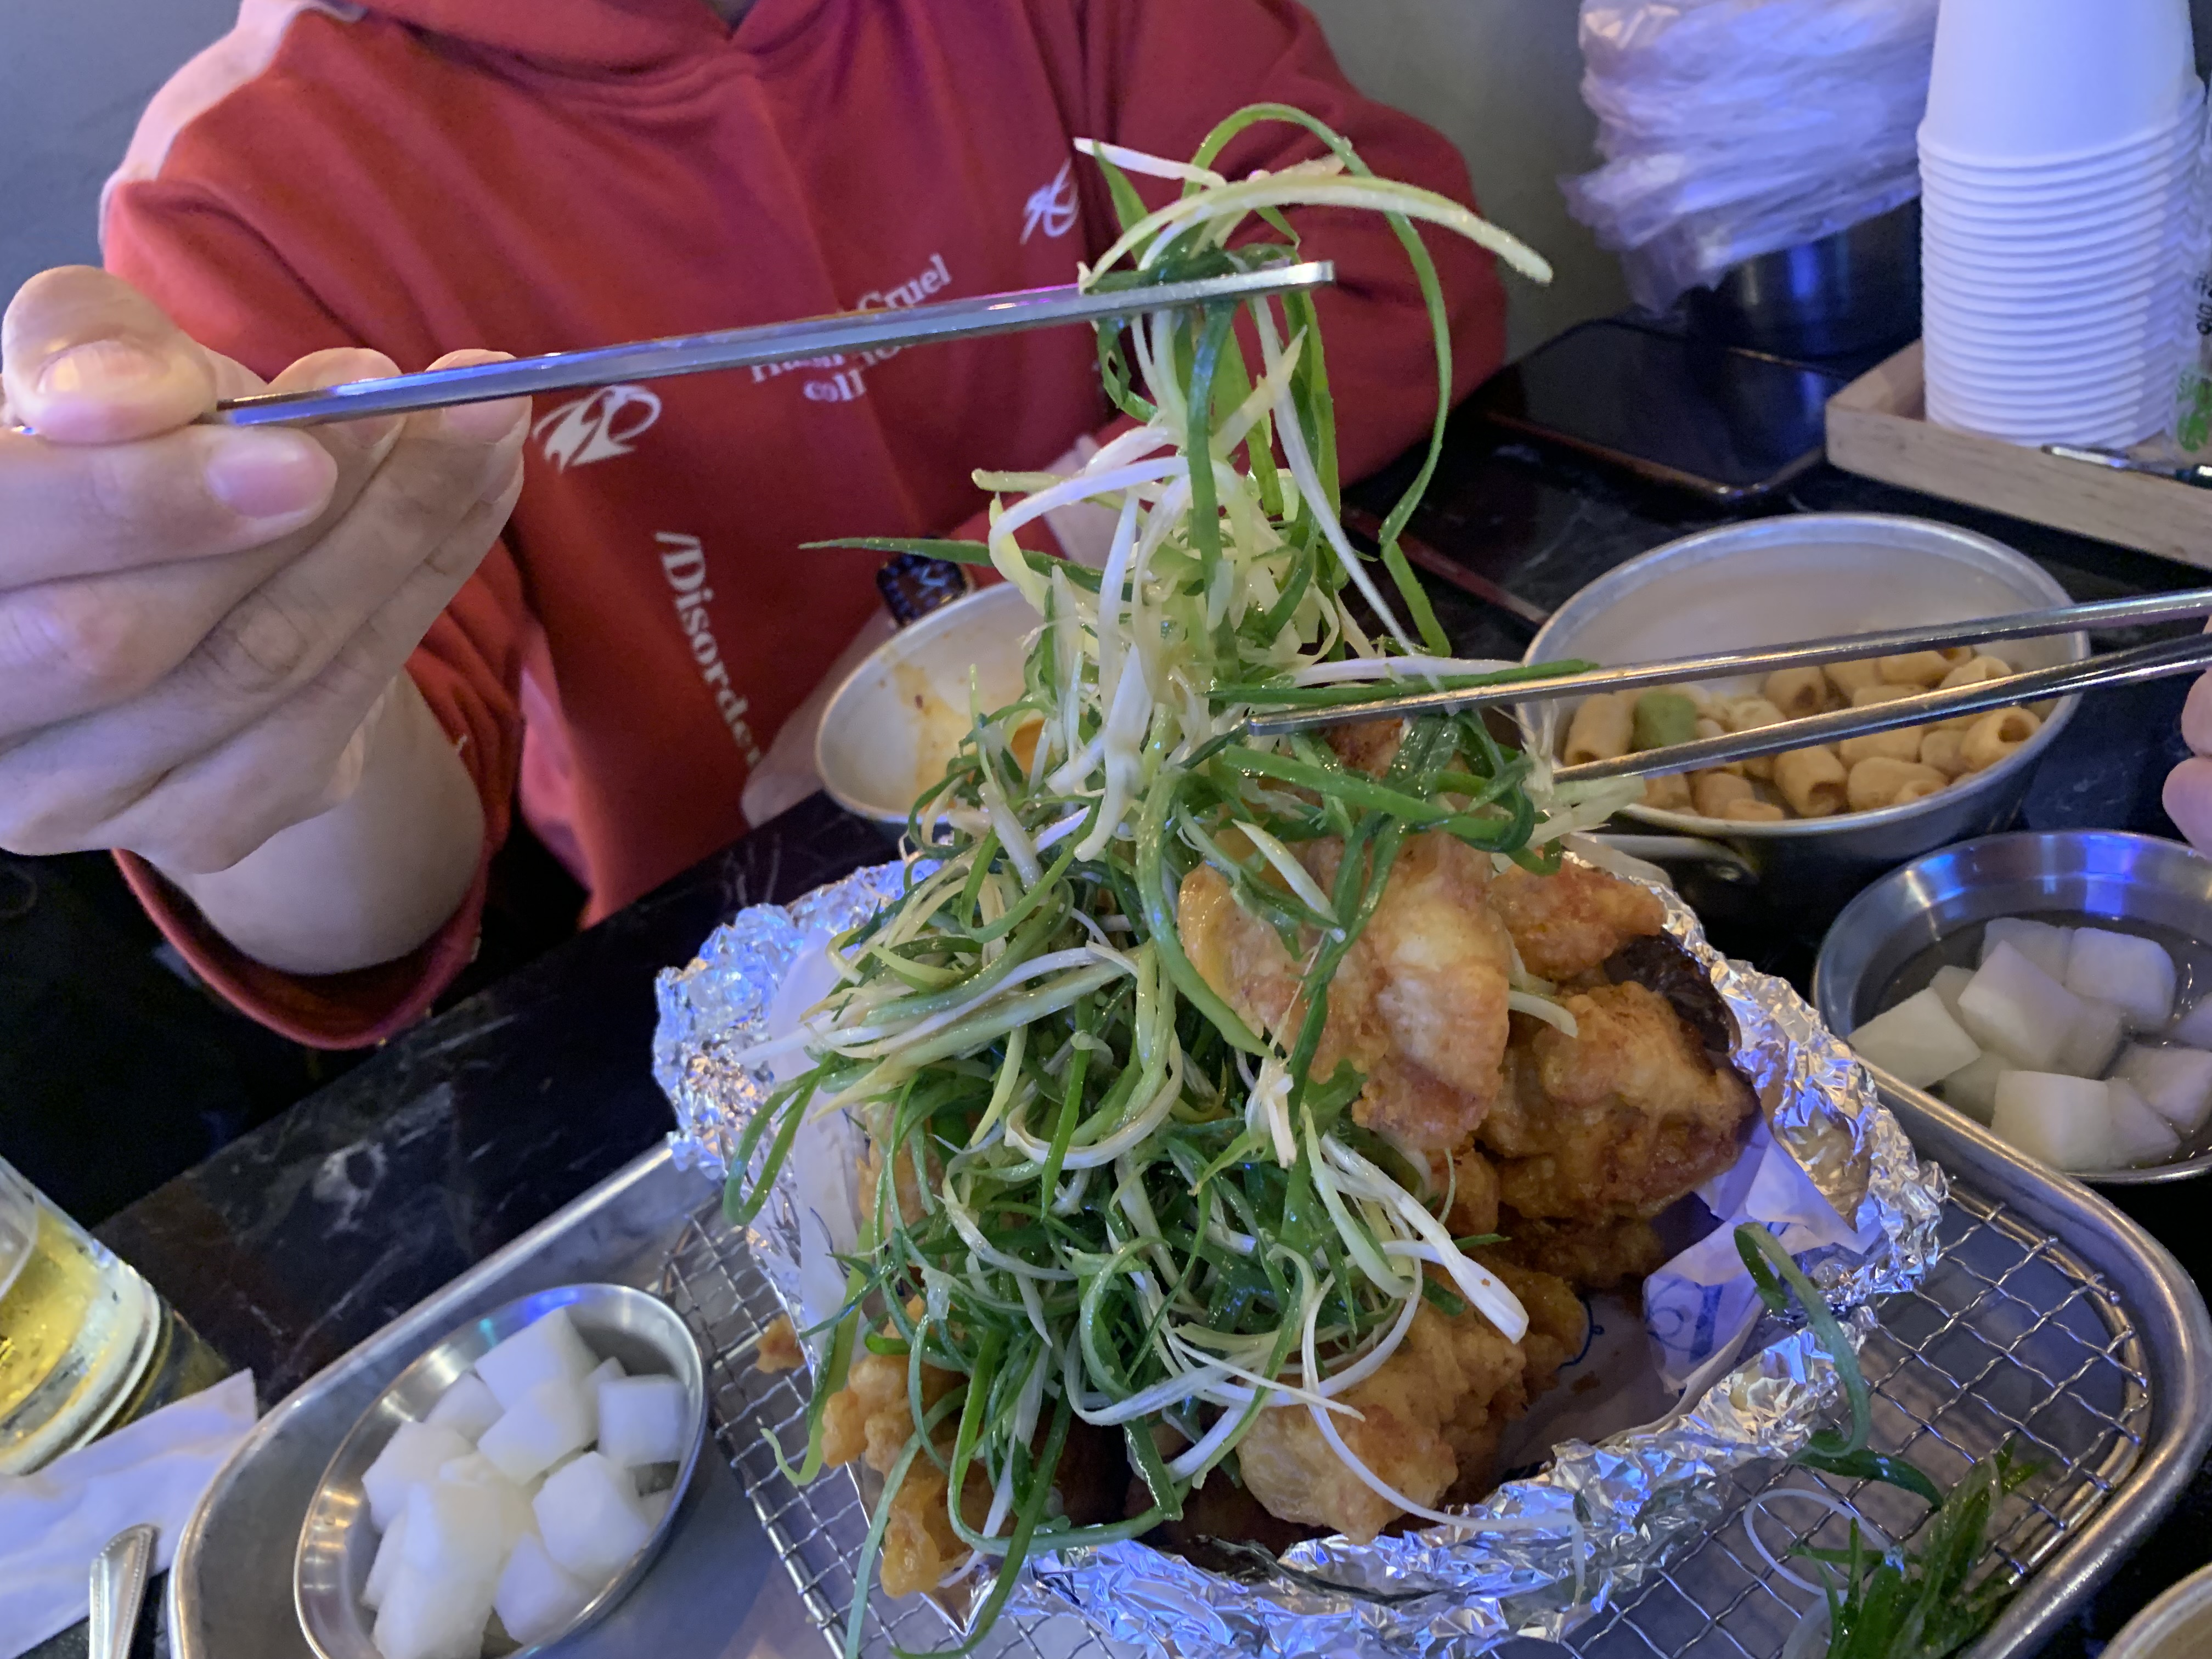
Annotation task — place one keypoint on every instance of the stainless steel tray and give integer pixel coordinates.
(2052, 1320)
(714, 1591)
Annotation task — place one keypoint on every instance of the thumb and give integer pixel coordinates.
(85, 358)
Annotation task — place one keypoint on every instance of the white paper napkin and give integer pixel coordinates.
(54, 1523)
(1702, 1303)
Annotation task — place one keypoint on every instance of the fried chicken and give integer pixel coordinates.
(1369, 746)
(1417, 1005)
(1429, 1421)
(1400, 1433)
(1590, 1256)
(869, 1418)
(1475, 1196)
(1586, 1256)
(1559, 1324)
(1568, 923)
(779, 1349)
(1619, 1122)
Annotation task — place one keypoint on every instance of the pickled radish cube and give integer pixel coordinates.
(1973, 1089)
(644, 1419)
(468, 1408)
(2177, 1083)
(516, 1517)
(433, 1614)
(2045, 946)
(609, 1369)
(546, 1351)
(2013, 1006)
(1917, 1041)
(2140, 1135)
(411, 1458)
(2136, 973)
(1947, 983)
(589, 1518)
(547, 1423)
(455, 1527)
(2065, 1122)
(536, 1596)
(2096, 1038)
(2195, 1027)
(476, 1468)
(386, 1564)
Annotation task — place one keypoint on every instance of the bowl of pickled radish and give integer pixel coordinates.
(510, 1486)
(1816, 823)
(2054, 986)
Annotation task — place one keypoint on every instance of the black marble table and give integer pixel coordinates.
(306, 1235)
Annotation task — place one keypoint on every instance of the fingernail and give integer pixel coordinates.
(101, 368)
(268, 475)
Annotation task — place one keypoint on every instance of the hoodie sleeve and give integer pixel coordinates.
(228, 288)
(1158, 74)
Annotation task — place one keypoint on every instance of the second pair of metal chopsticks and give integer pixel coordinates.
(2154, 661)
(1805, 653)
(742, 348)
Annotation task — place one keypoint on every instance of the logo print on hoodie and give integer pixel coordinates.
(1052, 209)
(596, 428)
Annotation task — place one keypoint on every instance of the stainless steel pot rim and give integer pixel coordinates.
(1889, 529)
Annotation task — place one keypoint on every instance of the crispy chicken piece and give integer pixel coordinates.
(1399, 1434)
(1619, 1121)
(1475, 1196)
(1590, 1256)
(1559, 1324)
(869, 1418)
(1367, 747)
(1418, 1005)
(1429, 1421)
(920, 1547)
(779, 1349)
(1568, 923)
(1558, 1327)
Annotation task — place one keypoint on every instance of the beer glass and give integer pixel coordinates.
(78, 1330)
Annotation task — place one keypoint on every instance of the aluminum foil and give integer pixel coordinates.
(1539, 1556)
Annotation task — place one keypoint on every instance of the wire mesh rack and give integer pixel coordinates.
(2011, 1339)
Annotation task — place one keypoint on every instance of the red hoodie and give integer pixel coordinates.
(542, 175)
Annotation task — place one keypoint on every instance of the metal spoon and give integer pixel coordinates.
(119, 1589)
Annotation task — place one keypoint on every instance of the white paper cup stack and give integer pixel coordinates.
(2057, 166)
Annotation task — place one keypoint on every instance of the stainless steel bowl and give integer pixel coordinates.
(2176, 1626)
(1803, 577)
(1896, 924)
(336, 1543)
(1853, 290)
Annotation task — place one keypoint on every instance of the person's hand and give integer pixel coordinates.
(2188, 786)
(202, 628)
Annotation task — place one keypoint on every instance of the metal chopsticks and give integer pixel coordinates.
(741, 347)
(2143, 662)
(1807, 653)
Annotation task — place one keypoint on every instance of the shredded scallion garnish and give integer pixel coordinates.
(1109, 1198)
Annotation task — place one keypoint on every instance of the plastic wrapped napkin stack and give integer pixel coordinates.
(1734, 128)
